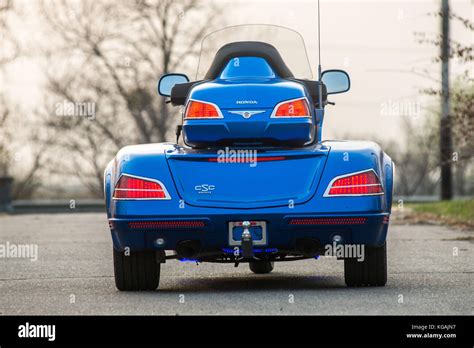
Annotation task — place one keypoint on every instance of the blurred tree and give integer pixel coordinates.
(26, 171)
(10, 48)
(415, 161)
(8, 53)
(109, 55)
(5, 155)
(460, 120)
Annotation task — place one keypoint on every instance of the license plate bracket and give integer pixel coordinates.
(258, 230)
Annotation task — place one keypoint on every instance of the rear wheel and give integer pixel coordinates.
(137, 271)
(370, 272)
(261, 267)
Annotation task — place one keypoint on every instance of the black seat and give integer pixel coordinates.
(248, 49)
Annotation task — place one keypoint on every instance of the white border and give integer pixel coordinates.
(167, 195)
(326, 193)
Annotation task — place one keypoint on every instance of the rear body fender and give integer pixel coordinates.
(342, 157)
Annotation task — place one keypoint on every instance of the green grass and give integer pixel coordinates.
(462, 210)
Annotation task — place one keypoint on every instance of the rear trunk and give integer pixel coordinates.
(247, 107)
(227, 179)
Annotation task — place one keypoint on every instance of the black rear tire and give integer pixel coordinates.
(137, 271)
(370, 272)
(261, 267)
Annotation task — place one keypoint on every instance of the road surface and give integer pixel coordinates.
(430, 272)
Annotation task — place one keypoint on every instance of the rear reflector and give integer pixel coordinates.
(169, 224)
(355, 184)
(329, 221)
(133, 187)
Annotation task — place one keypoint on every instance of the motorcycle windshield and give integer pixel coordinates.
(289, 43)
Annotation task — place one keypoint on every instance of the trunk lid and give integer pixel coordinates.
(247, 94)
(224, 179)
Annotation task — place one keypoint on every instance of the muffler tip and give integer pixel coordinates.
(308, 246)
(188, 249)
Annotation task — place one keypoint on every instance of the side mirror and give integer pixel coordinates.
(167, 82)
(336, 81)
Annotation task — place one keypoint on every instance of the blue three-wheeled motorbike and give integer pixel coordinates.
(254, 182)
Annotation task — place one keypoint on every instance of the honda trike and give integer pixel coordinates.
(253, 182)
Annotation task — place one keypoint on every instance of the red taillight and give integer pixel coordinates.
(130, 187)
(363, 183)
(293, 108)
(197, 109)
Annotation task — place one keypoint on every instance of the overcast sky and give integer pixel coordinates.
(373, 40)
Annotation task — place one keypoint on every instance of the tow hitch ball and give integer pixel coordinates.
(247, 242)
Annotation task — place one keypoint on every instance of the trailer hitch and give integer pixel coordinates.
(247, 241)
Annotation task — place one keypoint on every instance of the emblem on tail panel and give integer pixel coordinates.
(247, 114)
(241, 102)
(204, 188)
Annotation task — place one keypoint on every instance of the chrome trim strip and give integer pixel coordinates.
(250, 112)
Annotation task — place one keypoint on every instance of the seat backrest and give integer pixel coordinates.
(248, 49)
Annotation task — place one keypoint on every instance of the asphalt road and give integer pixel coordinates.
(74, 275)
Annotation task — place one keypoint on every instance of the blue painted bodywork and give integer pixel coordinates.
(274, 191)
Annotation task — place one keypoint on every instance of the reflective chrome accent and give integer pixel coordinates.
(247, 113)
